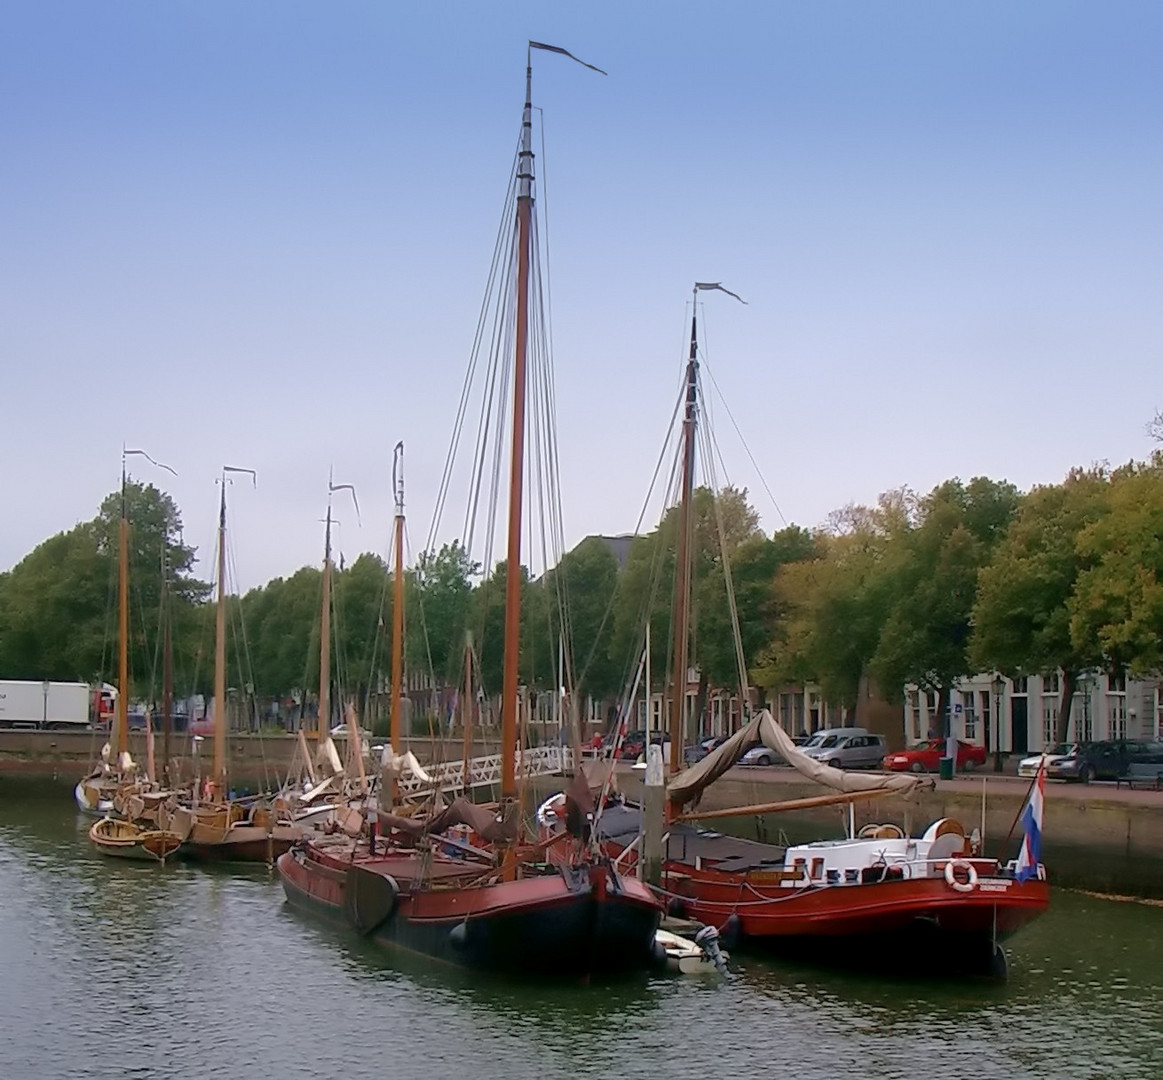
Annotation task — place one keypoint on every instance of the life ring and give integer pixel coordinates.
(954, 882)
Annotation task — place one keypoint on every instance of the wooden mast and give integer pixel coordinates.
(121, 734)
(397, 724)
(323, 723)
(682, 558)
(517, 465)
(220, 644)
(220, 656)
(167, 673)
(466, 712)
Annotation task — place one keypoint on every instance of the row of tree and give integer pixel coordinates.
(917, 590)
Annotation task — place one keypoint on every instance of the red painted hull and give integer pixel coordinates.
(567, 924)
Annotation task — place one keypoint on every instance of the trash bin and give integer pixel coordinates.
(946, 768)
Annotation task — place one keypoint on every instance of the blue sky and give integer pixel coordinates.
(258, 234)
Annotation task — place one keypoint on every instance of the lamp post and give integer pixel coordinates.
(999, 685)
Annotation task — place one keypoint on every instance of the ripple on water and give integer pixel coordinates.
(192, 972)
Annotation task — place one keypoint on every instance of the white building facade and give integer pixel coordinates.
(1018, 716)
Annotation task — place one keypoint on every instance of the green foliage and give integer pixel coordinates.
(1117, 606)
(1021, 617)
(58, 605)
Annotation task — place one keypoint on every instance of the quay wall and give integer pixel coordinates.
(254, 760)
(1095, 837)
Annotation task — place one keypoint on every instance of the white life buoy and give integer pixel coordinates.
(954, 882)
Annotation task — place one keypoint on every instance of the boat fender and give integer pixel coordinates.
(657, 955)
(458, 936)
(677, 908)
(954, 882)
(731, 932)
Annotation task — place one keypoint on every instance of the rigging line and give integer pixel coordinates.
(474, 353)
(732, 606)
(489, 398)
(747, 449)
(493, 406)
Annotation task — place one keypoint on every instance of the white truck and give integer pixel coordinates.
(25, 704)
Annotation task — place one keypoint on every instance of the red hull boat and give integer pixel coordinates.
(566, 923)
(924, 903)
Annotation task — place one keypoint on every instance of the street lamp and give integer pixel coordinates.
(999, 685)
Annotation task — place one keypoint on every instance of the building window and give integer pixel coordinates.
(970, 715)
(1117, 711)
(1052, 684)
(1049, 722)
(785, 712)
(1021, 685)
(914, 715)
(986, 708)
(1117, 682)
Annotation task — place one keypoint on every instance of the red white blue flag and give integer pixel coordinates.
(1031, 854)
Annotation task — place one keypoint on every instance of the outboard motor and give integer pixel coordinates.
(707, 939)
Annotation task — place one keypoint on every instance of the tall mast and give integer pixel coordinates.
(517, 464)
(398, 602)
(323, 724)
(220, 656)
(683, 560)
(167, 671)
(685, 526)
(220, 643)
(121, 735)
(121, 731)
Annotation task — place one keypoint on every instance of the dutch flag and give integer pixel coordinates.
(1031, 854)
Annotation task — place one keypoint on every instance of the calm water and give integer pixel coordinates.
(109, 969)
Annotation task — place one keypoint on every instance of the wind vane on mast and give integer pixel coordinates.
(706, 285)
(565, 52)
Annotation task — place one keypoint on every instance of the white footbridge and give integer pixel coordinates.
(446, 776)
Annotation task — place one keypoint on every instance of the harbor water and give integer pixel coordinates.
(116, 969)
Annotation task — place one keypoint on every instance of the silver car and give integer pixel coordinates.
(863, 751)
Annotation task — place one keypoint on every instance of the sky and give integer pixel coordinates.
(258, 234)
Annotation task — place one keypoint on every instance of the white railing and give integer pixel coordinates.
(486, 771)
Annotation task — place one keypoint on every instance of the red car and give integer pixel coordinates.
(926, 757)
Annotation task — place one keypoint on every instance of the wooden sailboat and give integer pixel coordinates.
(128, 840)
(222, 829)
(317, 783)
(94, 793)
(879, 894)
(494, 904)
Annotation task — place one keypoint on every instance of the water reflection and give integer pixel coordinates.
(203, 971)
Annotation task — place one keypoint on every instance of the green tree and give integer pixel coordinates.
(834, 603)
(1117, 605)
(931, 574)
(60, 602)
(1021, 617)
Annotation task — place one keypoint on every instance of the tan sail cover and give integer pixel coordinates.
(689, 785)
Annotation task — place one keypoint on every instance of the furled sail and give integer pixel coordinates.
(687, 786)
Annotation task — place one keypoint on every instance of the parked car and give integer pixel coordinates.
(633, 745)
(760, 755)
(1083, 762)
(926, 757)
(702, 748)
(858, 751)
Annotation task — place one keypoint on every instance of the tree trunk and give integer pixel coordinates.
(1069, 682)
(944, 717)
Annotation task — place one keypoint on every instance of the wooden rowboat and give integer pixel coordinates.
(127, 840)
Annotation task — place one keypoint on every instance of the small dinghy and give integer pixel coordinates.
(702, 956)
(127, 840)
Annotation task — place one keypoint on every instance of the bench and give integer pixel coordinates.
(1141, 774)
